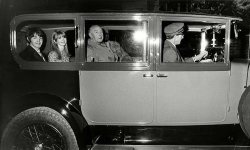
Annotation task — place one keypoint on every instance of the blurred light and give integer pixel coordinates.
(64, 112)
(144, 140)
(204, 42)
(138, 18)
(137, 64)
(154, 41)
(223, 26)
(141, 140)
(204, 45)
(70, 102)
(139, 36)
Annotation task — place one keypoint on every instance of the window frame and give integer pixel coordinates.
(164, 66)
(153, 44)
(121, 66)
(33, 65)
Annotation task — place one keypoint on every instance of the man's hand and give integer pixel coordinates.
(206, 61)
(202, 54)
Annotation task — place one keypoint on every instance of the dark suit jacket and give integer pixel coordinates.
(30, 54)
(172, 54)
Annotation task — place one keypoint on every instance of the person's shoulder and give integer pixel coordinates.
(166, 42)
(114, 46)
(52, 56)
(28, 48)
(27, 51)
(28, 54)
(52, 53)
(167, 45)
(90, 48)
(90, 45)
(114, 43)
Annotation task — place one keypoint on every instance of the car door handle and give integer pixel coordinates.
(160, 75)
(147, 75)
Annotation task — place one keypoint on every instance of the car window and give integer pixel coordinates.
(38, 36)
(237, 50)
(184, 42)
(116, 41)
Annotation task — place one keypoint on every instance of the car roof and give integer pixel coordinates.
(163, 14)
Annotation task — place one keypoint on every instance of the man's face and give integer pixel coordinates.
(96, 34)
(36, 41)
(178, 38)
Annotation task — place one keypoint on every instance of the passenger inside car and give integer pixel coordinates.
(99, 50)
(174, 34)
(34, 37)
(59, 48)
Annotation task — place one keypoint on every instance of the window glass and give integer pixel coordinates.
(193, 42)
(46, 40)
(238, 42)
(116, 41)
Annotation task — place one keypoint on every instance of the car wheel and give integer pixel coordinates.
(39, 128)
(244, 112)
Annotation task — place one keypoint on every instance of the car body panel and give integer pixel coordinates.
(186, 97)
(113, 97)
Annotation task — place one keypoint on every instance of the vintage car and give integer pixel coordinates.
(136, 103)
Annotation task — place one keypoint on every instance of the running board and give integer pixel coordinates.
(169, 147)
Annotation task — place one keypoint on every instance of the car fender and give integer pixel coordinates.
(67, 108)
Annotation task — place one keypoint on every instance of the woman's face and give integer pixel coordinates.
(36, 41)
(61, 40)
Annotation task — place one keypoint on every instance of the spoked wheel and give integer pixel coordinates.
(39, 128)
(40, 137)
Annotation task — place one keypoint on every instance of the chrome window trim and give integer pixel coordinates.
(119, 66)
(193, 66)
(154, 43)
(29, 65)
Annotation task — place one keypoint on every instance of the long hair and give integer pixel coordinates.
(54, 47)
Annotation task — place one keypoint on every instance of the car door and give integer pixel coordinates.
(196, 92)
(118, 91)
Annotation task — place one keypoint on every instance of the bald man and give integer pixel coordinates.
(99, 51)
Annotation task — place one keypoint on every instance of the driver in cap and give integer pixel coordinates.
(174, 35)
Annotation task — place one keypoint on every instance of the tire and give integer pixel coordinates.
(244, 112)
(39, 128)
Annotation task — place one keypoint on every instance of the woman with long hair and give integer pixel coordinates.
(59, 49)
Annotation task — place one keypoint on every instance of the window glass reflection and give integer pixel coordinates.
(116, 41)
(46, 40)
(193, 42)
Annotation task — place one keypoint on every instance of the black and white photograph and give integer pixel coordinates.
(124, 74)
